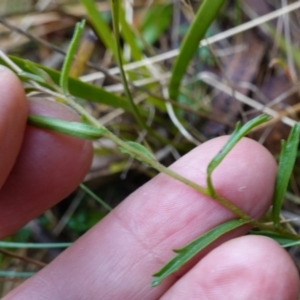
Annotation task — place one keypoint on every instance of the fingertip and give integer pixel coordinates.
(11, 87)
(13, 117)
(257, 263)
(48, 108)
(250, 267)
(49, 167)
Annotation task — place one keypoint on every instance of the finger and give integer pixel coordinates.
(119, 255)
(249, 267)
(48, 168)
(13, 116)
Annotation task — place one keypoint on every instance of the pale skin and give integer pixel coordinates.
(116, 258)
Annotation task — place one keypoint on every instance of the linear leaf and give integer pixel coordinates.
(237, 134)
(26, 75)
(14, 274)
(279, 238)
(204, 17)
(75, 129)
(129, 36)
(45, 78)
(150, 30)
(78, 88)
(193, 248)
(139, 148)
(102, 29)
(287, 160)
(17, 245)
(95, 197)
(64, 75)
(115, 6)
(291, 244)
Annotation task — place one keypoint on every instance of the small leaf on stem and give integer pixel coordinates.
(193, 248)
(287, 160)
(138, 148)
(237, 134)
(75, 129)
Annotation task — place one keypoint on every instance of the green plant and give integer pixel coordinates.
(68, 91)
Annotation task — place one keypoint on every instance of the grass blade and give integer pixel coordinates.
(14, 274)
(95, 197)
(150, 30)
(75, 129)
(115, 5)
(139, 148)
(237, 134)
(291, 244)
(281, 239)
(129, 36)
(44, 76)
(77, 88)
(286, 164)
(64, 75)
(193, 248)
(204, 17)
(100, 26)
(17, 245)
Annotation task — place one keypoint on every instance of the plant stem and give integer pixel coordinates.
(159, 167)
(279, 230)
(115, 16)
(141, 157)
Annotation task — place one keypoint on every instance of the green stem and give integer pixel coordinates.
(161, 168)
(279, 230)
(144, 158)
(115, 18)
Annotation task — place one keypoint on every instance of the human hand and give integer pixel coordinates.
(116, 258)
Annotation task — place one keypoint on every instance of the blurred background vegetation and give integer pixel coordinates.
(247, 64)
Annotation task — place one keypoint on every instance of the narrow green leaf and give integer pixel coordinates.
(150, 30)
(17, 245)
(78, 88)
(115, 6)
(193, 248)
(291, 244)
(14, 274)
(64, 75)
(26, 75)
(94, 196)
(102, 29)
(204, 17)
(287, 160)
(129, 36)
(42, 74)
(281, 239)
(237, 134)
(139, 148)
(75, 129)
